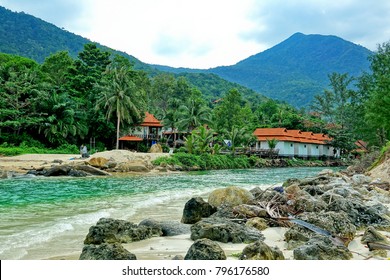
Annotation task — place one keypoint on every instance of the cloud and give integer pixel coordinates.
(70, 14)
(363, 22)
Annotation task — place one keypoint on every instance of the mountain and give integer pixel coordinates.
(294, 70)
(297, 69)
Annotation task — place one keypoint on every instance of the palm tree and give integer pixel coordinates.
(272, 145)
(120, 96)
(194, 114)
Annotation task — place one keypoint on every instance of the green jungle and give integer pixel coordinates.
(56, 105)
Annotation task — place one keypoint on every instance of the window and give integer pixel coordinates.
(291, 145)
(304, 146)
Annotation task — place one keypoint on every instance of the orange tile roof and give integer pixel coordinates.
(151, 120)
(130, 138)
(282, 134)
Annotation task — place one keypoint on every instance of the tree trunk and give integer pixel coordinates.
(117, 131)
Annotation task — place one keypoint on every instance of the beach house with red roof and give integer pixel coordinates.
(149, 131)
(295, 143)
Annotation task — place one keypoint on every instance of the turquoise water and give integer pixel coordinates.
(49, 217)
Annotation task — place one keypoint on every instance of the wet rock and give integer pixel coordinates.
(106, 252)
(205, 249)
(321, 248)
(58, 170)
(108, 230)
(261, 251)
(223, 230)
(91, 170)
(195, 209)
(231, 196)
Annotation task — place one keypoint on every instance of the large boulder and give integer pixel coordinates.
(205, 249)
(195, 209)
(109, 230)
(156, 148)
(99, 162)
(106, 252)
(231, 196)
(133, 166)
(261, 251)
(223, 230)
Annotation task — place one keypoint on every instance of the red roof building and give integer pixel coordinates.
(295, 142)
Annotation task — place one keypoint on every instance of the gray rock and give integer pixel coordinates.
(261, 251)
(205, 249)
(108, 230)
(223, 230)
(106, 252)
(195, 209)
(321, 248)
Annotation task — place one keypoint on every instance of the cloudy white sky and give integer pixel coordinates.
(209, 33)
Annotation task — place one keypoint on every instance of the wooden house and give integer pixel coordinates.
(149, 131)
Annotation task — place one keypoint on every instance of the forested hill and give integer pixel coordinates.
(25, 35)
(296, 69)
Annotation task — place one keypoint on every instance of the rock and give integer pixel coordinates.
(98, 162)
(257, 223)
(249, 211)
(231, 196)
(167, 228)
(372, 235)
(106, 252)
(91, 170)
(223, 230)
(359, 213)
(156, 148)
(360, 179)
(108, 230)
(59, 170)
(195, 209)
(132, 166)
(321, 248)
(205, 249)
(261, 251)
(337, 223)
(178, 258)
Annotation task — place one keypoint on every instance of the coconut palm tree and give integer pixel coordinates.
(120, 96)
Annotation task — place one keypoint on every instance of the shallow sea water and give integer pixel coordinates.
(42, 218)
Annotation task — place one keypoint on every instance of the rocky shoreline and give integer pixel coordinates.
(109, 163)
(323, 218)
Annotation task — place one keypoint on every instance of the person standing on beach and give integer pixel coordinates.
(84, 151)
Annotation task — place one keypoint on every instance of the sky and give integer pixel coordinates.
(209, 33)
